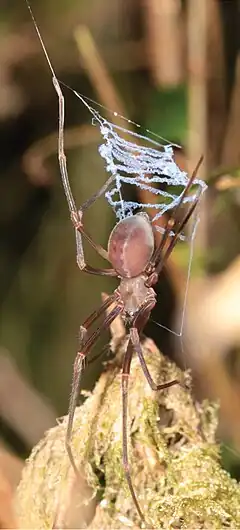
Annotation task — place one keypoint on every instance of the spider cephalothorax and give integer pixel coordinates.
(130, 248)
(131, 245)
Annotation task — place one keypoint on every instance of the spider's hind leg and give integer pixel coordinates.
(134, 337)
(85, 346)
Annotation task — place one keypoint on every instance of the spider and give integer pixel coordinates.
(137, 262)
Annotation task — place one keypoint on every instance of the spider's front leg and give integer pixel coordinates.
(75, 214)
(83, 266)
(76, 218)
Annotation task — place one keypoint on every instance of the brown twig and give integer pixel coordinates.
(34, 159)
(231, 149)
(164, 32)
(27, 413)
(197, 96)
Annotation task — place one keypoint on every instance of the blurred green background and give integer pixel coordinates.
(173, 66)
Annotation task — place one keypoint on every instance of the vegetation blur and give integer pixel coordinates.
(174, 67)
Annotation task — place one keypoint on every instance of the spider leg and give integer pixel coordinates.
(83, 266)
(139, 323)
(75, 214)
(164, 258)
(134, 336)
(85, 347)
(135, 345)
(173, 224)
(125, 377)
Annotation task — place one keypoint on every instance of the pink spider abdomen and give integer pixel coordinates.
(131, 245)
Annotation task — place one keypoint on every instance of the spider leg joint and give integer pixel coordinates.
(76, 218)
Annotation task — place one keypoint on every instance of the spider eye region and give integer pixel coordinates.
(131, 245)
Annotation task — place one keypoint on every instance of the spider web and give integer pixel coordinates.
(146, 168)
(137, 160)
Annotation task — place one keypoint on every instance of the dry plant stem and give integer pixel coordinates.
(35, 158)
(98, 73)
(231, 150)
(197, 96)
(28, 414)
(10, 465)
(7, 516)
(164, 41)
(216, 85)
(10, 473)
(173, 455)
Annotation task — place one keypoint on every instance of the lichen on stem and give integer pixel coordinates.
(174, 458)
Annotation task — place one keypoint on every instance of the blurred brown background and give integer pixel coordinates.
(173, 66)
